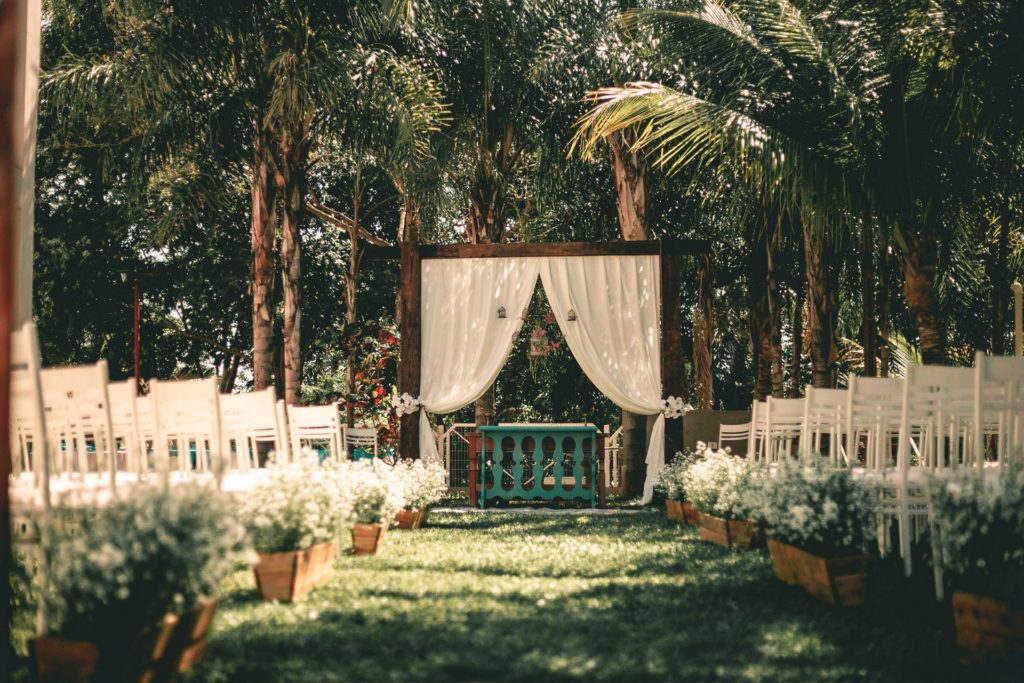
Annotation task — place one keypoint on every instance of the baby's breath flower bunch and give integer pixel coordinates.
(296, 507)
(819, 508)
(670, 479)
(115, 571)
(980, 526)
(423, 484)
(372, 492)
(715, 484)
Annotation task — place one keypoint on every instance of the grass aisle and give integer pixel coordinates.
(567, 598)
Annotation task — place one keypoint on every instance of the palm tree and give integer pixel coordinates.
(834, 109)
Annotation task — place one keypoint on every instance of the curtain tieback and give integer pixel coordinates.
(673, 407)
(406, 404)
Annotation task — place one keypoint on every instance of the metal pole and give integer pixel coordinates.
(137, 350)
(1018, 319)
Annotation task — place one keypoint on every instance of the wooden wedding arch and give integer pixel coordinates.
(410, 256)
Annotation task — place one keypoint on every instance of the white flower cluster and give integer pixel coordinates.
(406, 404)
(670, 479)
(372, 492)
(674, 407)
(980, 523)
(819, 508)
(296, 507)
(422, 483)
(115, 571)
(715, 484)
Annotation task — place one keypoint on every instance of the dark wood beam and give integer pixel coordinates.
(8, 43)
(528, 249)
(409, 362)
(671, 346)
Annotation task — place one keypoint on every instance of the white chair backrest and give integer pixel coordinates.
(999, 407)
(873, 412)
(124, 421)
(736, 433)
(363, 438)
(824, 414)
(29, 447)
(77, 412)
(316, 424)
(248, 419)
(187, 411)
(938, 402)
(758, 423)
(783, 419)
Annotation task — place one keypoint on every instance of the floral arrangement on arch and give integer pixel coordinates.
(296, 507)
(114, 572)
(375, 346)
(980, 527)
(715, 484)
(821, 509)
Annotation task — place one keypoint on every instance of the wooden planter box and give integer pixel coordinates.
(287, 576)
(986, 628)
(839, 581)
(674, 510)
(367, 538)
(410, 519)
(730, 533)
(691, 515)
(176, 645)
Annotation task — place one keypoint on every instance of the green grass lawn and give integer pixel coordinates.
(511, 597)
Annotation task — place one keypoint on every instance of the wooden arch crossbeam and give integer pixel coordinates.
(410, 257)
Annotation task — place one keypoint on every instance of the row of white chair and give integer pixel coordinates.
(87, 424)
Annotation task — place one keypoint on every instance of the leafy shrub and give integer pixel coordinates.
(114, 572)
(819, 508)
(296, 507)
(980, 526)
(715, 484)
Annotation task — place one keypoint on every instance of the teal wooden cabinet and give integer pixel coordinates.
(536, 463)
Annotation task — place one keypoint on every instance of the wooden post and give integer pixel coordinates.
(474, 469)
(1018, 319)
(671, 344)
(8, 41)
(409, 330)
(137, 348)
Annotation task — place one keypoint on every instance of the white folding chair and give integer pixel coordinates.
(735, 433)
(824, 416)
(250, 419)
(124, 421)
(188, 412)
(285, 456)
(873, 412)
(316, 425)
(77, 412)
(360, 438)
(29, 450)
(999, 407)
(145, 418)
(758, 427)
(784, 418)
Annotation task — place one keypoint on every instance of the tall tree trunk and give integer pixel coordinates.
(920, 263)
(821, 314)
(409, 220)
(294, 153)
(795, 388)
(869, 322)
(263, 233)
(775, 316)
(631, 202)
(704, 335)
(1000, 285)
(885, 302)
(760, 319)
(351, 298)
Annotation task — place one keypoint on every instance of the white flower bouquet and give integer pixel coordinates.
(114, 572)
(296, 507)
(980, 525)
(422, 483)
(818, 508)
(716, 483)
(670, 479)
(373, 492)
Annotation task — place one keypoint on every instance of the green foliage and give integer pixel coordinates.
(671, 478)
(114, 572)
(820, 508)
(979, 523)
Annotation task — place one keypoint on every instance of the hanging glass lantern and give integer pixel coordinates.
(539, 345)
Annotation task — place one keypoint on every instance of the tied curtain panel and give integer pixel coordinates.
(616, 336)
(464, 344)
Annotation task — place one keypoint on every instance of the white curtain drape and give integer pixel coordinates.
(464, 343)
(616, 336)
